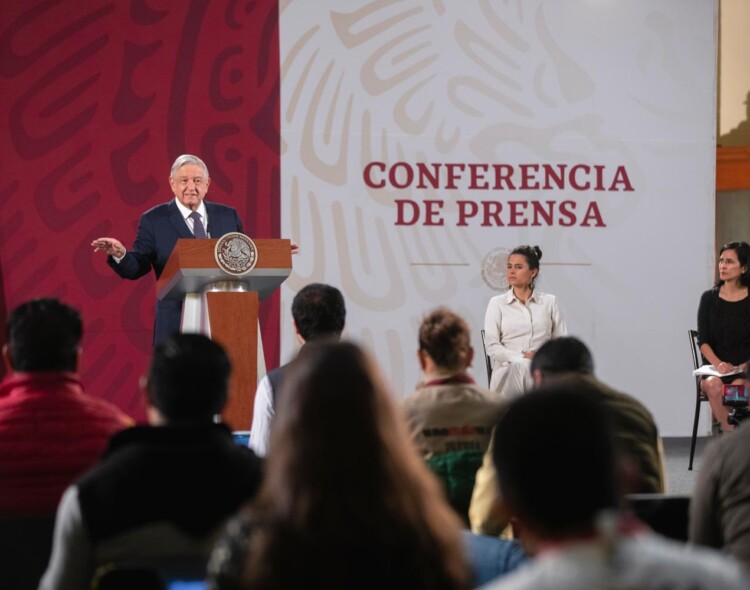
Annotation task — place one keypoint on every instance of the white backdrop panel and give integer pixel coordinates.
(626, 85)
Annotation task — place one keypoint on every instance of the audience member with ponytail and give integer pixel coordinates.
(451, 418)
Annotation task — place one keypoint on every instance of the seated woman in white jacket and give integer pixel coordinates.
(518, 322)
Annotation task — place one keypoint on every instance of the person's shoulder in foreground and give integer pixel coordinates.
(720, 506)
(642, 562)
(568, 510)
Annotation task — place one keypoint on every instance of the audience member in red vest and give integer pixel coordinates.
(50, 430)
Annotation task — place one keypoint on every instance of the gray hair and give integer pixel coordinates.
(186, 159)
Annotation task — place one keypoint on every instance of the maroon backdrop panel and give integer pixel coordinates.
(98, 98)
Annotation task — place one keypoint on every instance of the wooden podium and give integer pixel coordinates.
(225, 308)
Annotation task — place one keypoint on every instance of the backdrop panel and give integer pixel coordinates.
(98, 99)
(421, 141)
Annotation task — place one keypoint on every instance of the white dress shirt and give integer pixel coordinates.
(185, 212)
(263, 413)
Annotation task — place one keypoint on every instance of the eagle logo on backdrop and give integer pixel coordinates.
(493, 269)
(236, 254)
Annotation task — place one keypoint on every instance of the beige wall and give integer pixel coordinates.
(732, 216)
(734, 73)
(733, 207)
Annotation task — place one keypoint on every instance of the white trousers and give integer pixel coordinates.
(512, 379)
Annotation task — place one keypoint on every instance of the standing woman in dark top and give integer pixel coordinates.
(724, 325)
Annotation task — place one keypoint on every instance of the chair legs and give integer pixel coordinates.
(695, 428)
(487, 361)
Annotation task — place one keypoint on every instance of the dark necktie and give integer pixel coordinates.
(198, 229)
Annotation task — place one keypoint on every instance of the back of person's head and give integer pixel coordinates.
(44, 335)
(319, 312)
(556, 460)
(188, 379)
(342, 472)
(335, 411)
(565, 354)
(445, 336)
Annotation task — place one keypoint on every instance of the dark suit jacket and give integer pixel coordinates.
(158, 232)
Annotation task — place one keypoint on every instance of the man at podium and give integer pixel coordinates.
(186, 216)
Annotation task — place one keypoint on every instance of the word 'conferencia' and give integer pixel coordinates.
(439, 176)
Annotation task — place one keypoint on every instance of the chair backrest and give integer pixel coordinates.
(665, 514)
(457, 472)
(111, 577)
(695, 349)
(487, 361)
(25, 547)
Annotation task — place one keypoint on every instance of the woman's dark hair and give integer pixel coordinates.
(532, 254)
(742, 249)
(344, 489)
(445, 336)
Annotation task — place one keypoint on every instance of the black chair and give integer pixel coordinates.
(700, 397)
(665, 514)
(111, 577)
(25, 547)
(487, 361)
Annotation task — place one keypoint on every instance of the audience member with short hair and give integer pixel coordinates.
(720, 507)
(561, 356)
(161, 491)
(318, 313)
(566, 506)
(450, 417)
(50, 430)
(346, 501)
(567, 360)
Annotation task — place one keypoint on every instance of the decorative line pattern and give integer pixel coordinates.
(98, 101)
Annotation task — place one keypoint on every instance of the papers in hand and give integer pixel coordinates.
(710, 371)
